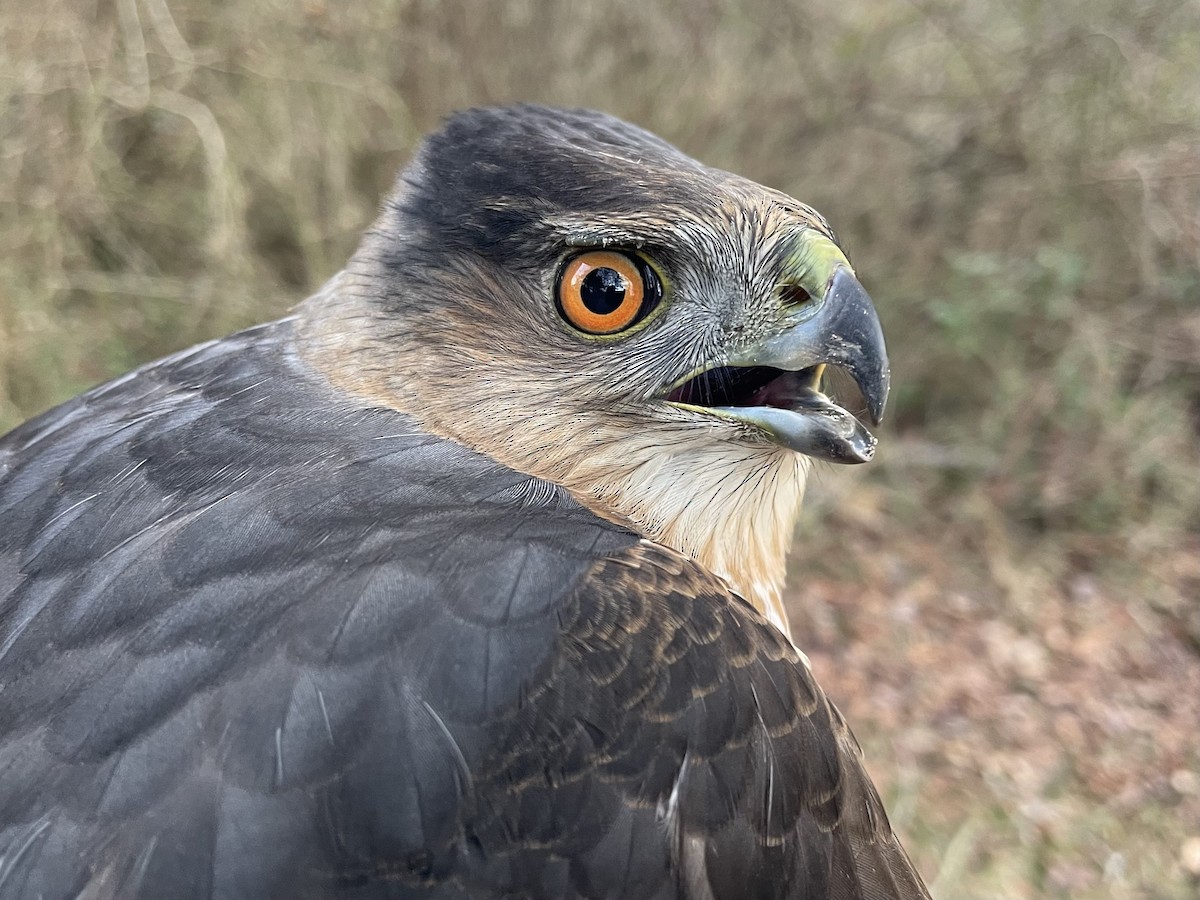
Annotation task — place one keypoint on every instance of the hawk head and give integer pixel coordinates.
(579, 300)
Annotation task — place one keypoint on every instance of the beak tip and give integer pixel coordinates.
(867, 362)
(878, 403)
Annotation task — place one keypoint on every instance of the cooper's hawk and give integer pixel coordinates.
(464, 580)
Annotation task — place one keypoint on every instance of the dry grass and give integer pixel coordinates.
(1007, 603)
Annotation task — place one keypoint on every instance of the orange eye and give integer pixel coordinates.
(603, 292)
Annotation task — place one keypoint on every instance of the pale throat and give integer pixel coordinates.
(731, 507)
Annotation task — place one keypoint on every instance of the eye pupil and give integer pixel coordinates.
(603, 290)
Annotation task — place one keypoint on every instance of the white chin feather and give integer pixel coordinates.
(730, 506)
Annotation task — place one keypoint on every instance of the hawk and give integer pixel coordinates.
(463, 580)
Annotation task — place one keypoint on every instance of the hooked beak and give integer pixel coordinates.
(775, 384)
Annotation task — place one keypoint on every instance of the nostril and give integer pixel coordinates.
(794, 295)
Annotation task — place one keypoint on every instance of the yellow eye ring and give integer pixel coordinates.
(605, 291)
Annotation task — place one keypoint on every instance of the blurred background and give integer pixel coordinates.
(1006, 605)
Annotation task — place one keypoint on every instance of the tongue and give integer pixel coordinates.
(786, 392)
(803, 419)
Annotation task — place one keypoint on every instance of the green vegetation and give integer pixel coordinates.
(1007, 605)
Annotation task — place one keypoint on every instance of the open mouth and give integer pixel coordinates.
(773, 387)
(789, 407)
(747, 386)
